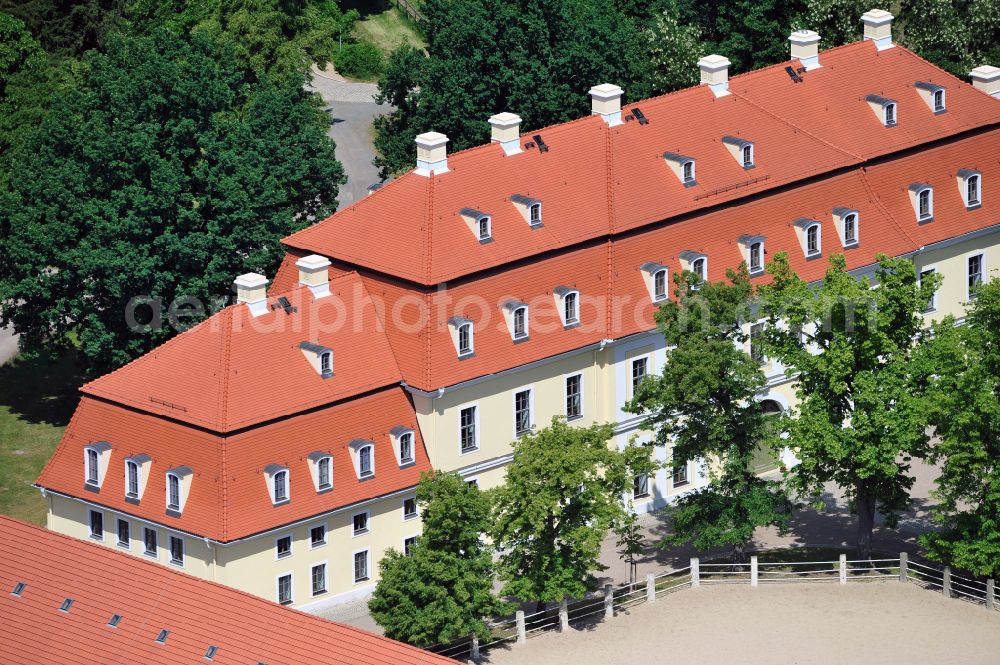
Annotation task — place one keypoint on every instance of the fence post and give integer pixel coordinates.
(946, 582)
(843, 569)
(522, 633)
(650, 588)
(563, 615)
(609, 602)
(475, 648)
(753, 571)
(903, 561)
(990, 594)
(695, 576)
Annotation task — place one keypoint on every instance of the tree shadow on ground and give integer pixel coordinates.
(43, 389)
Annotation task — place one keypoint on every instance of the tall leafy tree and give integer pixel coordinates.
(67, 28)
(163, 174)
(673, 51)
(630, 541)
(561, 496)
(704, 406)
(443, 590)
(861, 417)
(964, 407)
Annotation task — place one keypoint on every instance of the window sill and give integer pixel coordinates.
(571, 325)
(467, 451)
(284, 602)
(407, 462)
(324, 490)
(175, 562)
(570, 419)
(360, 533)
(521, 339)
(925, 220)
(316, 546)
(124, 546)
(407, 518)
(466, 356)
(362, 579)
(319, 593)
(282, 502)
(151, 555)
(637, 497)
(681, 484)
(283, 556)
(99, 539)
(974, 206)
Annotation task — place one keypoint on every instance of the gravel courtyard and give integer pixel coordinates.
(800, 624)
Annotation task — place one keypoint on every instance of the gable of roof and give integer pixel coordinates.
(149, 598)
(234, 370)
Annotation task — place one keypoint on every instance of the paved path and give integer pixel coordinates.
(352, 108)
(8, 345)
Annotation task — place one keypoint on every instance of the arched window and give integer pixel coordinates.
(93, 467)
(465, 338)
(689, 171)
(747, 155)
(173, 492)
(406, 447)
(365, 462)
(850, 229)
(925, 203)
(280, 480)
(890, 114)
(323, 475)
(938, 100)
(484, 228)
(660, 284)
(812, 240)
(698, 268)
(131, 479)
(535, 213)
(570, 310)
(972, 190)
(326, 363)
(521, 322)
(756, 256)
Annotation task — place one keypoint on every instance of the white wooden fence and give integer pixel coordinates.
(520, 627)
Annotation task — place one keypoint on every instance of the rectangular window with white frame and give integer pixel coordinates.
(360, 523)
(361, 573)
(409, 508)
(640, 369)
(318, 575)
(177, 551)
(926, 272)
(283, 547)
(976, 264)
(96, 525)
(124, 534)
(522, 412)
(317, 536)
(640, 486)
(284, 584)
(680, 475)
(408, 544)
(574, 396)
(150, 545)
(756, 345)
(468, 428)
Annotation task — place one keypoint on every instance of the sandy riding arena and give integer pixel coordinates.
(880, 622)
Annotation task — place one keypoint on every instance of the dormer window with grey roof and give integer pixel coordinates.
(933, 95)
(178, 487)
(530, 209)
(846, 220)
(277, 483)
(810, 237)
(969, 186)
(95, 460)
(682, 166)
(655, 277)
(742, 151)
(320, 357)
(516, 314)
(922, 200)
(884, 109)
(462, 337)
(479, 223)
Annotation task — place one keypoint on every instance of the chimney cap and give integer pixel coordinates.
(985, 73)
(312, 262)
(505, 120)
(431, 140)
(250, 280)
(714, 62)
(876, 17)
(804, 37)
(606, 91)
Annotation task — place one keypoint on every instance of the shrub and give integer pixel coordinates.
(362, 60)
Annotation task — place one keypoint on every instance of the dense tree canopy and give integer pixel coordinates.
(704, 407)
(861, 417)
(443, 590)
(164, 173)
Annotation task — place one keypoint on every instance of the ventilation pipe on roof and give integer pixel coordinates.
(432, 155)
(805, 48)
(606, 101)
(313, 273)
(715, 74)
(987, 79)
(505, 129)
(878, 28)
(251, 289)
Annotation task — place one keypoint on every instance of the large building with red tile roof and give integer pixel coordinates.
(488, 291)
(63, 601)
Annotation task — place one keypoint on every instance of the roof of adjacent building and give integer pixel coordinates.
(597, 180)
(149, 598)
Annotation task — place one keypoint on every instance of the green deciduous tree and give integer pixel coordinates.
(964, 407)
(673, 51)
(164, 173)
(631, 542)
(860, 417)
(443, 590)
(704, 406)
(561, 496)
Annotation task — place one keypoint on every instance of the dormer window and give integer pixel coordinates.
(95, 463)
(530, 209)
(660, 285)
(968, 185)
(320, 357)
(278, 484)
(462, 335)
(682, 166)
(922, 199)
(568, 303)
(846, 221)
(884, 109)
(741, 150)
(516, 314)
(404, 440)
(810, 237)
(178, 487)
(480, 223)
(363, 454)
(321, 470)
(933, 95)
(136, 473)
(753, 253)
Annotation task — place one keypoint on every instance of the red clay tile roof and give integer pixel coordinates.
(234, 370)
(595, 180)
(228, 496)
(150, 598)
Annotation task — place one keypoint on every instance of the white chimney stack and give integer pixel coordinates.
(432, 155)
(251, 289)
(878, 28)
(505, 129)
(805, 48)
(313, 273)
(987, 79)
(606, 101)
(715, 74)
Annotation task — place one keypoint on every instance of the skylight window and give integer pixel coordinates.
(66, 604)
(18, 589)
(161, 637)
(210, 652)
(115, 620)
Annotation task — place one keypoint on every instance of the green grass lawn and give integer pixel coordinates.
(388, 30)
(37, 398)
